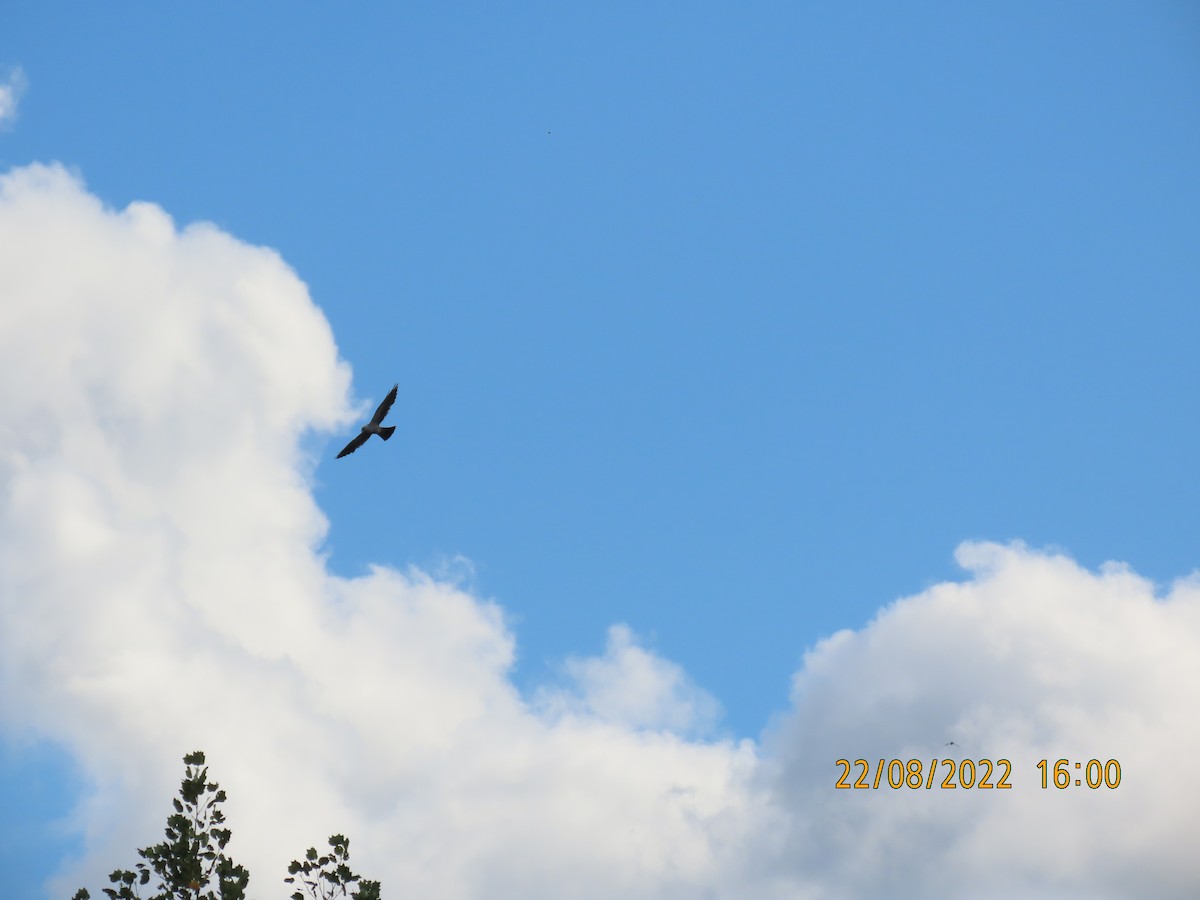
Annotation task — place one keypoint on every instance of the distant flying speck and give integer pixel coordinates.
(373, 427)
(951, 744)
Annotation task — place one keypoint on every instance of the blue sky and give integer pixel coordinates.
(728, 325)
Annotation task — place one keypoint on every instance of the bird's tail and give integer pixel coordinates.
(386, 433)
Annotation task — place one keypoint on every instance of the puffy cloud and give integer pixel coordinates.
(10, 96)
(162, 589)
(631, 686)
(1033, 658)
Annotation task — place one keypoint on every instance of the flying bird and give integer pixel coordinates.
(374, 427)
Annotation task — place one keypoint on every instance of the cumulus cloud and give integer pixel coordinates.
(632, 686)
(1033, 658)
(10, 95)
(162, 589)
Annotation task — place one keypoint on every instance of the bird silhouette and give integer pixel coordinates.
(374, 426)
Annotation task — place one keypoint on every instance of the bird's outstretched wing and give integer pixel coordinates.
(358, 441)
(385, 405)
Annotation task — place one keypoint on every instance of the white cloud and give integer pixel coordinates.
(10, 96)
(162, 590)
(632, 687)
(1034, 658)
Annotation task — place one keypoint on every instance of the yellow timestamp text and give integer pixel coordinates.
(1094, 774)
(967, 774)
